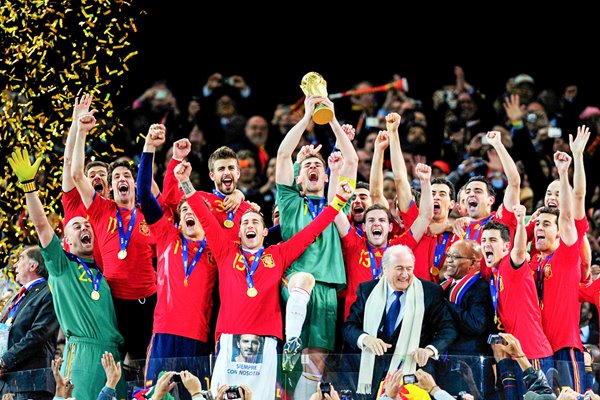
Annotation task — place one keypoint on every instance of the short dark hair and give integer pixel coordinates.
(125, 164)
(553, 211)
(222, 153)
(488, 185)
(362, 185)
(262, 217)
(377, 206)
(313, 155)
(499, 226)
(95, 163)
(444, 181)
(34, 253)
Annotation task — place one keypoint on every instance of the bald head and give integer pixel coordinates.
(79, 235)
(463, 257)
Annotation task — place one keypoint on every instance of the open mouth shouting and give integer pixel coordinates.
(472, 205)
(540, 239)
(227, 184)
(123, 188)
(85, 238)
(98, 185)
(436, 208)
(489, 256)
(313, 176)
(190, 222)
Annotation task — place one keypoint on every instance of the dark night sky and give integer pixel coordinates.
(351, 44)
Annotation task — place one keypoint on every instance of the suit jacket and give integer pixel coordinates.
(33, 333)
(473, 318)
(437, 329)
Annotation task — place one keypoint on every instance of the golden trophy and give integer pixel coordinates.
(313, 84)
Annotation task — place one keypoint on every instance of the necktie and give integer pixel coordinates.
(392, 315)
(22, 292)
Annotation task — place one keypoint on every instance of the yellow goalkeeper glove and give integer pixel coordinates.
(24, 170)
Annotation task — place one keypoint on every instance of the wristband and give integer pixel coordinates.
(517, 125)
(29, 186)
(338, 203)
(521, 356)
(431, 390)
(197, 394)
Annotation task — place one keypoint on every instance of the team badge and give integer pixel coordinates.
(547, 271)
(144, 229)
(268, 261)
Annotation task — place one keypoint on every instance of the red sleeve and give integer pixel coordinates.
(72, 205)
(163, 232)
(406, 239)
(590, 293)
(217, 240)
(529, 228)
(171, 194)
(293, 248)
(410, 215)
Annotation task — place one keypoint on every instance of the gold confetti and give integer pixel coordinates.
(51, 54)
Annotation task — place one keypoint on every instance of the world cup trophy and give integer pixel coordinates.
(313, 84)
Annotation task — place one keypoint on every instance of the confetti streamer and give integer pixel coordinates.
(51, 54)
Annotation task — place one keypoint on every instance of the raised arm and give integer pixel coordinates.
(26, 172)
(511, 194)
(343, 142)
(335, 162)
(403, 190)
(284, 174)
(85, 123)
(376, 180)
(81, 106)
(518, 253)
(150, 207)
(419, 227)
(566, 220)
(334, 176)
(577, 148)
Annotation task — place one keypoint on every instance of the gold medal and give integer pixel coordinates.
(95, 295)
(228, 223)
(122, 254)
(252, 292)
(9, 321)
(434, 271)
(185, 282)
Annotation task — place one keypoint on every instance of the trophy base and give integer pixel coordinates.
(322, 114)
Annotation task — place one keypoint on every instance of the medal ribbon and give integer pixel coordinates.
(250, 271)
(311, 207)
(541, 278)
(95, 280)
(478, 227)
(494, 289)
(184, 255)
(220, 195)
(125, 236)
(375, 269)
(440, 250)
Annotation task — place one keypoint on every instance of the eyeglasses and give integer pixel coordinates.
(455, 257)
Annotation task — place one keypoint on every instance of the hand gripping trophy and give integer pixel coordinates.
(314, 84)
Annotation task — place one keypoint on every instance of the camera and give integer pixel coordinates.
(410, 378)
(345, 394)
(461, 395)
(495, 339)
(233, 393)
(531, 118)
(229, 80)
(554, 132)
(325, 387)
(176, 378)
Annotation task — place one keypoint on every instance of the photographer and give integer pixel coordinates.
(169, 380)
(396, 382)
(533, 379)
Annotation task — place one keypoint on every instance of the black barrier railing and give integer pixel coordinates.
(474, 375)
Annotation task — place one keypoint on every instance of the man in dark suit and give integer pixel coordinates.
(33, 331)
(397, 313)
(470, 305)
